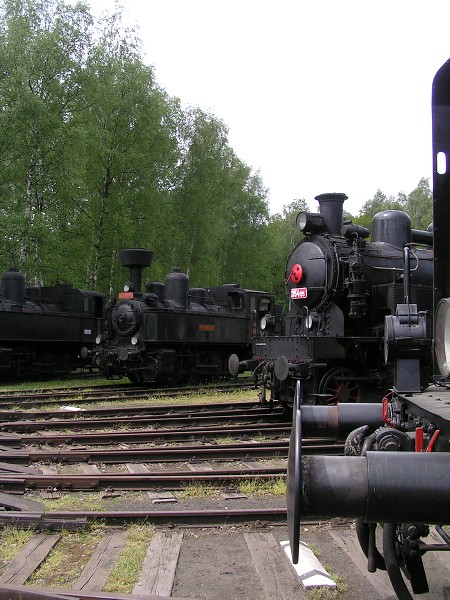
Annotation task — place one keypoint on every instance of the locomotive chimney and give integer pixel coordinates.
(331, 209)
(136, 259)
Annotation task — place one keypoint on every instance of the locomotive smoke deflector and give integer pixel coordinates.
(136, 259)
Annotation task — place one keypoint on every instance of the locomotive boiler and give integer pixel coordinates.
(172, 331)
(43, 328)
(396, 475)
(340, 288)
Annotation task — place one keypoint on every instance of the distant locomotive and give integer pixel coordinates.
(341, 287)
(171, 331)
(42, 329)
(396, 471)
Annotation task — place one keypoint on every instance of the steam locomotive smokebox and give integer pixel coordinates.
(136, 259)
(12, 286)
(331, 209)
(177, 285)
(392, 227)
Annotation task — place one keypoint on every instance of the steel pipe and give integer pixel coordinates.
(386, 487)
(339, 420)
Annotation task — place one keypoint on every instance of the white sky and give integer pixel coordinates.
(319, 95)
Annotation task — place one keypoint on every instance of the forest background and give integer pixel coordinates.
(95, 157)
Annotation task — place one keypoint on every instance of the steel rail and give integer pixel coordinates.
(143, 421)
(167, 453)
(174, 480)
(144, 410)
(62, 519)
(139, 436)
(113, 393)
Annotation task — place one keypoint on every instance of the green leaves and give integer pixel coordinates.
(95, 157)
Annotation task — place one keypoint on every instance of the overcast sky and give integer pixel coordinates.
(318, 95)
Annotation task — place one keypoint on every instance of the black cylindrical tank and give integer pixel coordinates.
(12, 286)
(392, 227)
(331, 209)
(177, 285)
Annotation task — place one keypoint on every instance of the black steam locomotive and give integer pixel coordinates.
(171, 331)
(43, 328)
(396, 471)
(340, 288)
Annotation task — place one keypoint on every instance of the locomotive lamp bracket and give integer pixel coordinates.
(406, 335)
(310, 222)
(268, 322)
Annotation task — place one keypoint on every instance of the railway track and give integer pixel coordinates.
(212, 563)
(63, 472)
(111, 393)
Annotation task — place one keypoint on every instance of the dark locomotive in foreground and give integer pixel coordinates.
(42, 329)
(395, 472)
(340, 288)
(174, 332)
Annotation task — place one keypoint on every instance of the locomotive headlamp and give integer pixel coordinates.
(98, 339)
(442, 336)
(310, 222)
(127, 287)
(134, 340)
(267, 322)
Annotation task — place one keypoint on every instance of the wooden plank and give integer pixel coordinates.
(15, 503)
(160, 563)
(9, 590)
(200, 466)
(161, 497)
(137, 468)
(442, 557)
(277, 577)
(48, 469)
(29, 558)
(96, 571)
(10, 468)
(158, 497)
(348, 541)
(88, 469)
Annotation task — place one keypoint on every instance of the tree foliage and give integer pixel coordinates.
(95, 156)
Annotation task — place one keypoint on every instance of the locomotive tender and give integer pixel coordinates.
(43, 328)
(340, 288)
(171, 331)
(398, 474)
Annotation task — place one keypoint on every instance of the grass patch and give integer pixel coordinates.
(72, 501)
(36, 386)
(12, 540)
(327, 593)
(65, 563)
(255, 487)
(128, 567)
(197, 490)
